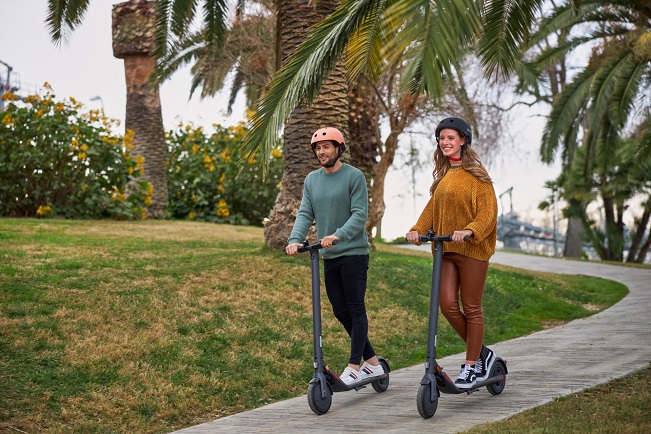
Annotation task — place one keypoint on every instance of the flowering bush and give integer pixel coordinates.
(206, 180)
(57, 160)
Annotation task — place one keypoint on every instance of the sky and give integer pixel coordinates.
(85, 69)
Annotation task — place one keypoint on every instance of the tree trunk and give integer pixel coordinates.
(328, 109)
(133, 40)
(573, 237)
(639, 234)
(363, 122)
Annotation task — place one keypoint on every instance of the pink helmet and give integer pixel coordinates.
(328, 133)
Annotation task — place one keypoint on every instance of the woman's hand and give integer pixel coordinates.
(459, 236)
(413, 237)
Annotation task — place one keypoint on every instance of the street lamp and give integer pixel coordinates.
(98, 98)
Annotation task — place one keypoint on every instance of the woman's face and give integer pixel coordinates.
(450, 142)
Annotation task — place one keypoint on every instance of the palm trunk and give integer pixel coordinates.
(133, 41)
(329, 109)
(363, 123)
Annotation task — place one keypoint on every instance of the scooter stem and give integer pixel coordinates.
(434, 307)
(316, 323)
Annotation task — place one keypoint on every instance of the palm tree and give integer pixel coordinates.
(604, 97)
(248, 53)
(295, 17)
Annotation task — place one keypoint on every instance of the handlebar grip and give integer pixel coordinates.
(431, 237)
(310, 247)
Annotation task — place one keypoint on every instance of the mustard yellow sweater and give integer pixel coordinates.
(461, 201)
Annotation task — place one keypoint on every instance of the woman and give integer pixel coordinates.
(462, 203)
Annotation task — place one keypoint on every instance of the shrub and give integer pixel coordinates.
(57, 160)
(207, 181)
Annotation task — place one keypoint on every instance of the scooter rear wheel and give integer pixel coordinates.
(317, 403)
(498, 369)
(427, 407)
(383, 384)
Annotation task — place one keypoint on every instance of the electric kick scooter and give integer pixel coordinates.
(325, 381)
(435, 379)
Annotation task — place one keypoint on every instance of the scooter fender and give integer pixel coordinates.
(325, 387)
(429, 379)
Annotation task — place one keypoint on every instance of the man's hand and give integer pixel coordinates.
(327, 242)
(292, 249)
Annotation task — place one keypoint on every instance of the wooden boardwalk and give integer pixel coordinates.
(542, 366)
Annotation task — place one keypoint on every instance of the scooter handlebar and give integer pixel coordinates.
(432, 237)
(311, 247)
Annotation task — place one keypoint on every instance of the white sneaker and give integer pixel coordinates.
(369, 371)
(350, 376)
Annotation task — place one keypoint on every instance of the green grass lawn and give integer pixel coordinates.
(147, 326)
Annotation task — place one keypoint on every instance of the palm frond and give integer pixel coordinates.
(63, 16)
(564, 117)
(627, 90)
(604, 84)
(506, 27)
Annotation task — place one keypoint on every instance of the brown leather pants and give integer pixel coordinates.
(466, 276)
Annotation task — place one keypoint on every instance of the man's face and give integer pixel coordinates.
(326, 152)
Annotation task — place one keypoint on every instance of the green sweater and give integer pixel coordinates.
(461, 201)
(339, 203)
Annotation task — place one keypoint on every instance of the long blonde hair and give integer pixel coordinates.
(469, 161)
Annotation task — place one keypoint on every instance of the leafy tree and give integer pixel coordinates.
(56, 159)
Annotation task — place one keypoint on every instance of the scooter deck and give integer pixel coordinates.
(446, 385)
(337, 385)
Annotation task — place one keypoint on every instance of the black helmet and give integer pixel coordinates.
(457, 124)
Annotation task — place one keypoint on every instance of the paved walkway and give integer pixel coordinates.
(542, 366)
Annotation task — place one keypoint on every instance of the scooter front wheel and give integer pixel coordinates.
(427, 407)
(318, 403)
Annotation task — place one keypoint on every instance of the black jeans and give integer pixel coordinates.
(345, 280)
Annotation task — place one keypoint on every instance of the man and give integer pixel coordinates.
(335, 196)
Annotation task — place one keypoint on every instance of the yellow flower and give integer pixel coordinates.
(47, 86)
(81, 155)
(128, 139)
(31, 98)
(191, 215)
(211, 168)
(221, 178)
(44, 210)
(207, 159)
(40, 113)
(225, 156)
(7, 119)
(276, 153)
(84, 147)
(195, 148)
(9, 96)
